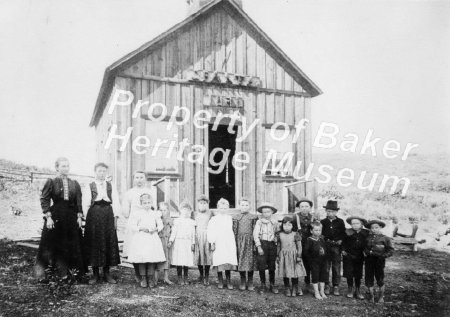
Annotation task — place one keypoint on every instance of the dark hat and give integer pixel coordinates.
(304, 200)
(267, 205)
(332, 204)
(349, 220)
(378, 222)
(203, 198)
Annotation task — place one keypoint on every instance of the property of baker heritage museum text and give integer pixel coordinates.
(166, 151)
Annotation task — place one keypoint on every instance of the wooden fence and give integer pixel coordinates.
(23, 175)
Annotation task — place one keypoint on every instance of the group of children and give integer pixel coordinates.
(301, 246)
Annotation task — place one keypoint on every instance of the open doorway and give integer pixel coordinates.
(222, 185)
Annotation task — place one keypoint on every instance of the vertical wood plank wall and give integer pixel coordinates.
(217, 42)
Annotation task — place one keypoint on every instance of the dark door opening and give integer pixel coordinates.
(222, 185)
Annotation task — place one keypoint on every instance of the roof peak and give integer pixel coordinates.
(195, 5)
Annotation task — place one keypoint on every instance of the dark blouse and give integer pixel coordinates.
(379, 245)
(355, 242)
(53, 191)
(315, 249)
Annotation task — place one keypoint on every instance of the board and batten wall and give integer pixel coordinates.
(216, 42)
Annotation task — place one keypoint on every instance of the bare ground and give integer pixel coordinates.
(417, 285)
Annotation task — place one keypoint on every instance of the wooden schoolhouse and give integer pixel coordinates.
(218, 60)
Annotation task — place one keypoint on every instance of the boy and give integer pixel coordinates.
(378, 248)
(264, 235)
(334, 232)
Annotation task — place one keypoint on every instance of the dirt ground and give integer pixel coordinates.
(417, 285)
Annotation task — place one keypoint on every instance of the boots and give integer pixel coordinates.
(107, 276)
(229, 285)
(358, 294)
(220, 281)
(180, 280)
(263, 288)
(327, 289)
(371, 296)
(95, 276)
(144, 282)
(206, 279)
(273, 288)
(322, 290)
(242, 284)
(316, 291)
(288, 291)
(250, 285)
(381, 295)
(350, 292)
(336, 291)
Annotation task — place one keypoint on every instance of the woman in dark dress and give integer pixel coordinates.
(60, 244)
(101, 248)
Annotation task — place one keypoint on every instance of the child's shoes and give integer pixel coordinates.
(273, 289)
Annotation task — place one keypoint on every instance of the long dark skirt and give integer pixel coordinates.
(61, 246)
(100, 237)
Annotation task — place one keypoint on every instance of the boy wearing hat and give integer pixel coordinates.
(334, 233)
(304, 218)
(378, 248)
(353, 255)
(264, 235)
(202, 253)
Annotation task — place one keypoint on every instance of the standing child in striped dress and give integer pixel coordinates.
(202, 253)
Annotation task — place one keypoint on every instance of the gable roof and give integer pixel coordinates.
(236, 12)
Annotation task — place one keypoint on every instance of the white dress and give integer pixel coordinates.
(183, 237)
(146, 247)
(220, 232)
(130, 204)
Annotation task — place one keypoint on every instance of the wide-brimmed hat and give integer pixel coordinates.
(267, 205)
(332, 204)
(304, 200)
(203, 198)
(349, 220)
(378, 222)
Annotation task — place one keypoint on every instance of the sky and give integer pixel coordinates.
(382, 65)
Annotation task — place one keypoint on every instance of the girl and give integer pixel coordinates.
(243, 226)
(164, 236)
(289, 257)
(202, 254)
(353, 256)
(101, 247)
(378, 248)
(145, 248)
(183, 240)
(265, 242)
(131, 205)
(223, 244)
(315, 250)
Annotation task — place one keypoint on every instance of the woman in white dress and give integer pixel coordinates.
(223, 243)
(182, 239)
(145, 249)
(131, 206)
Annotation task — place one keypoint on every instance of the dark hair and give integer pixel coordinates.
(100, 164)
(292, 221)
(315, 224)
(141, 198)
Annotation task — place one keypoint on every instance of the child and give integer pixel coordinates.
(164, 235)
(304, 218)
(183, 240)
(353, 255)
(334, 233)
(101, 247)
(145, 247)
(289, 253)
(315, 250)
(243, 226)
(378, 248)
(202, 253)
(264, 236)
(223, 244)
